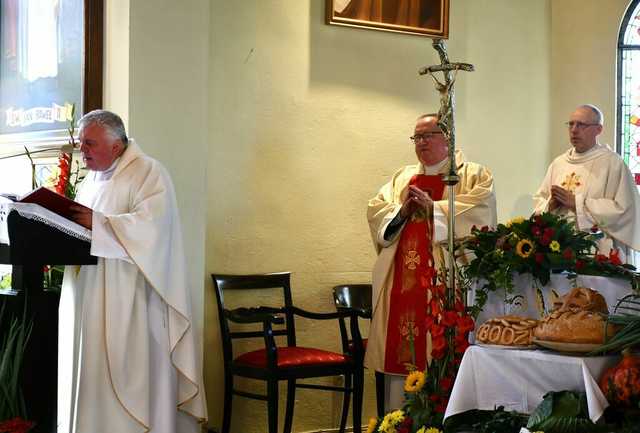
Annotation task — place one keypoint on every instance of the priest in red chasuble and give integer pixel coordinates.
(408, 219)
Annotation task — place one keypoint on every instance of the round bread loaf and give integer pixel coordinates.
(573, 326)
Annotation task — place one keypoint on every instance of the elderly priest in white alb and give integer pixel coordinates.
(591, 184)
(128, 358)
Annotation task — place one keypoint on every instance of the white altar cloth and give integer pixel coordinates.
(518, 379)
(526, 305)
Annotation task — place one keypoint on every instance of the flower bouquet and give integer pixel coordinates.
(537, 246)
(64, 179)
(427, 392)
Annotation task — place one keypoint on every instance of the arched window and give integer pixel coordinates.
(628, 136)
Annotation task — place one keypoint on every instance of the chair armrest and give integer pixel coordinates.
(255, 315)
(362, 312)
(323, 316)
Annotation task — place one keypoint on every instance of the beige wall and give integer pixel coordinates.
(307, 121)
(583, 59)
(154, 77)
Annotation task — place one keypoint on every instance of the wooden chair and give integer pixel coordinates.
(358, 298)
(289, 362)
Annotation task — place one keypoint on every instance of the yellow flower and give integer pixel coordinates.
(554, 246)
(429, 430)
(512, 221)
(390, 421)
(373, 422)
(524, 248)
(415, 381)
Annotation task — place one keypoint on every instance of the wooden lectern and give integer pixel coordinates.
(33, 245)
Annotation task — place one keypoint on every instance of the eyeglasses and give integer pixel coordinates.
(578, 125)
(426, 136)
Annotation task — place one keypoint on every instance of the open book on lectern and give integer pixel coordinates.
(47, 207)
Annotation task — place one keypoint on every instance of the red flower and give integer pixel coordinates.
(449, 318)
(549, 232)
(538, 220)
(16, 425)
(435, 307)
(428, 323)
(459, 306)
(614, 257)
(484, 229)
(536, 231)
(437, 354)
(601, 258)
(439, 347)
(405, 425)
(446, 383)
(539, 258)
(441, 407)
(434, 398)
(439, 343)
(64, 164)
(545, 240)
(579, 264)
(437, 331)
(474, 228)
(465, 324)
(567, 254)
(595, 228)
(461, 343)
(438, 289)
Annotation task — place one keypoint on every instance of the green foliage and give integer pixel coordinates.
(563, 412)
(13, 341)
(486, 421)
(536, 246)
(627, 337)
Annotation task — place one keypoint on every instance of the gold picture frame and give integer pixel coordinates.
(418, 17)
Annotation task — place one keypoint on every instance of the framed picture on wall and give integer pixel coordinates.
(420, 17)
(51, 60)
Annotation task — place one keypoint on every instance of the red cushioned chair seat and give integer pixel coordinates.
(292, 357)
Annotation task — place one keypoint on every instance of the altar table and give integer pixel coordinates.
(518, 379)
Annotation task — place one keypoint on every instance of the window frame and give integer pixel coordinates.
(47, 144)
(621, 47)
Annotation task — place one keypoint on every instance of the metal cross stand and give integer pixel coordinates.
(446, 122)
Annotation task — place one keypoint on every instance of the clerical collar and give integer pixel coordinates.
(578, 158)
(108, 173)
(435, 168)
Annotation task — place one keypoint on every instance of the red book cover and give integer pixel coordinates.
(51, 200)
(432, 184)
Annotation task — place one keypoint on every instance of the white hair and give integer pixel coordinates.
(110, 121)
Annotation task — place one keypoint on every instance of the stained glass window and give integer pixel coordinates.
(629, 89)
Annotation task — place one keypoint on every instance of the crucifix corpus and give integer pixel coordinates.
(446, 122)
